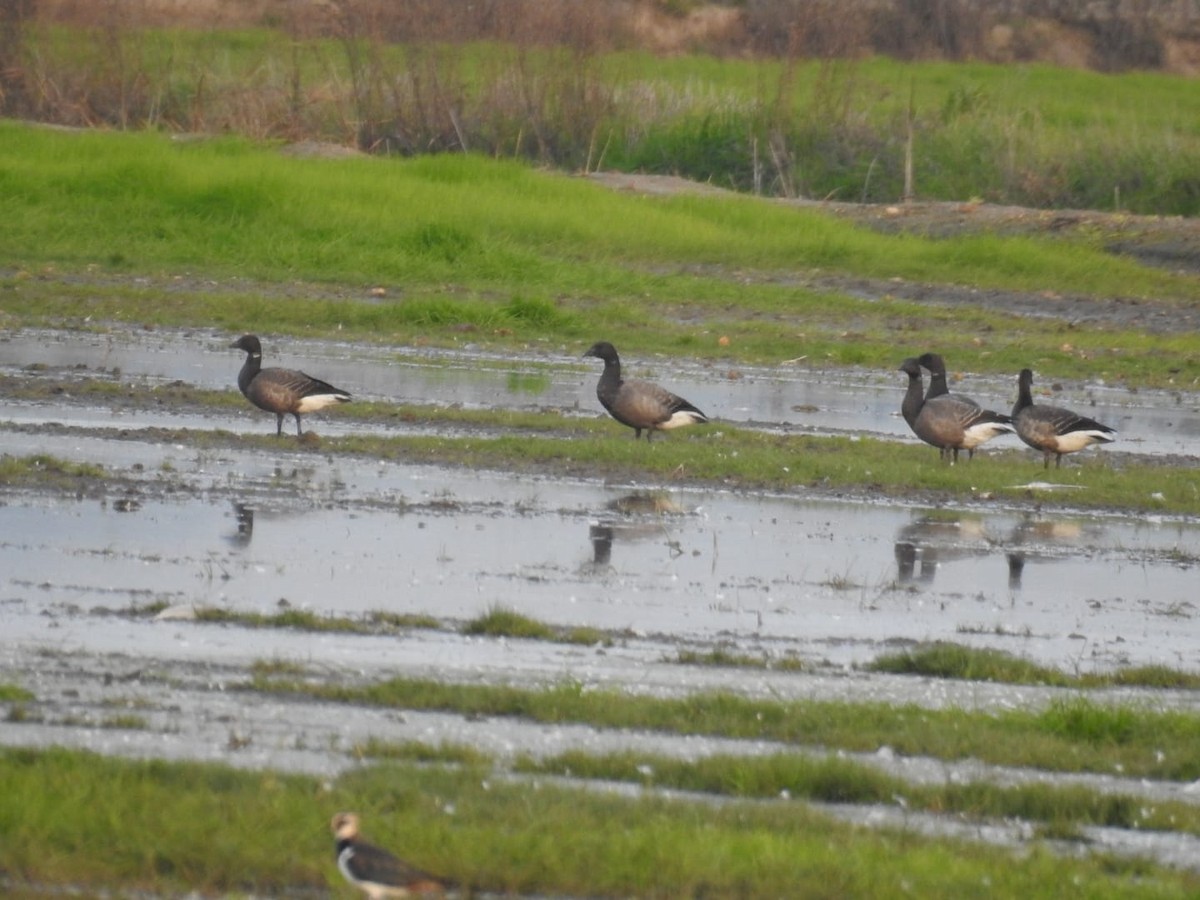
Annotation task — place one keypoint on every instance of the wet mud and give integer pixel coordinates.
(100, 587)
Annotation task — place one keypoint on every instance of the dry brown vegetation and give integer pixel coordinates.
(1110, 36)
(531, 79)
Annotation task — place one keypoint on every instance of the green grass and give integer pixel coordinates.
(721, 657)
(721, 453)
(825, 779)
(78, 819)
(234, 208)
(830, 779)
(41, 468)
(268, 668)
(949, 660)
(754, 460)
(420, 752)
(497, 622)
(1073, 734)
(227, 235)
(14, 693)
(501, 621)
(374, 622)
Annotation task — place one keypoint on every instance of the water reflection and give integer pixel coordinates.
(922, 546)
(602, 540)
(1045, 540)
(933, 540)
(243, 514)
(636, 516)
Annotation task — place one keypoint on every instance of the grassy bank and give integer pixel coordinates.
(227, 207)
(81, 819)
(1071, 735)
(723, 455)
(227, 235)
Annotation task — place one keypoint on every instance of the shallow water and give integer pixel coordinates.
(829, 580)
(796, 395)
(832, 582)
(825, 579)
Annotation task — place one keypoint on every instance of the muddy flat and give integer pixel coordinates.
(101, 585)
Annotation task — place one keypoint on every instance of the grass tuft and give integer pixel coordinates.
(14, 693)
(303, 620)
(500, 621)
(944, 659)
(950, 660)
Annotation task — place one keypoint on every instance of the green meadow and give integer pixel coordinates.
(224, 233)
(165, 827)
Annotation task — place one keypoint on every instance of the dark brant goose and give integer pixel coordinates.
(937, 377)
(379, 874)
(639, 404)
(1051, 429)
(282, 391)
(948, 421)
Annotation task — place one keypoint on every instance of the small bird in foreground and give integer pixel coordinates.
(639, 404)
(376, 872)
(1052, 429)
(282, 391)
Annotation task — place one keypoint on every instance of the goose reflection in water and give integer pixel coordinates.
(632, 517)
(1045, 540)
(931, 541)
(243, 514)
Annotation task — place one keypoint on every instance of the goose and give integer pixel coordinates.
(639, 404)
(948, 421)
(1051, 429)
(914, 397)
(937, 377)
(376, 872)
(282, 391)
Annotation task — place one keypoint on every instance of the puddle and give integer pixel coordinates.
(800, 397)
(833, 581)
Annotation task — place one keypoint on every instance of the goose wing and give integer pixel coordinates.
(947, 421)
(372, 865)
(1064, 421)
(649, 404)
(288, 390)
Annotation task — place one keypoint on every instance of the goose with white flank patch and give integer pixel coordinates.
(282, 391)
(1052, 429)
(948, 421)
(639, 404)
(376, 872)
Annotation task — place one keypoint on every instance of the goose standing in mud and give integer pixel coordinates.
(376, 872)
(1052, 429)
(282, 391)
(639, 404)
